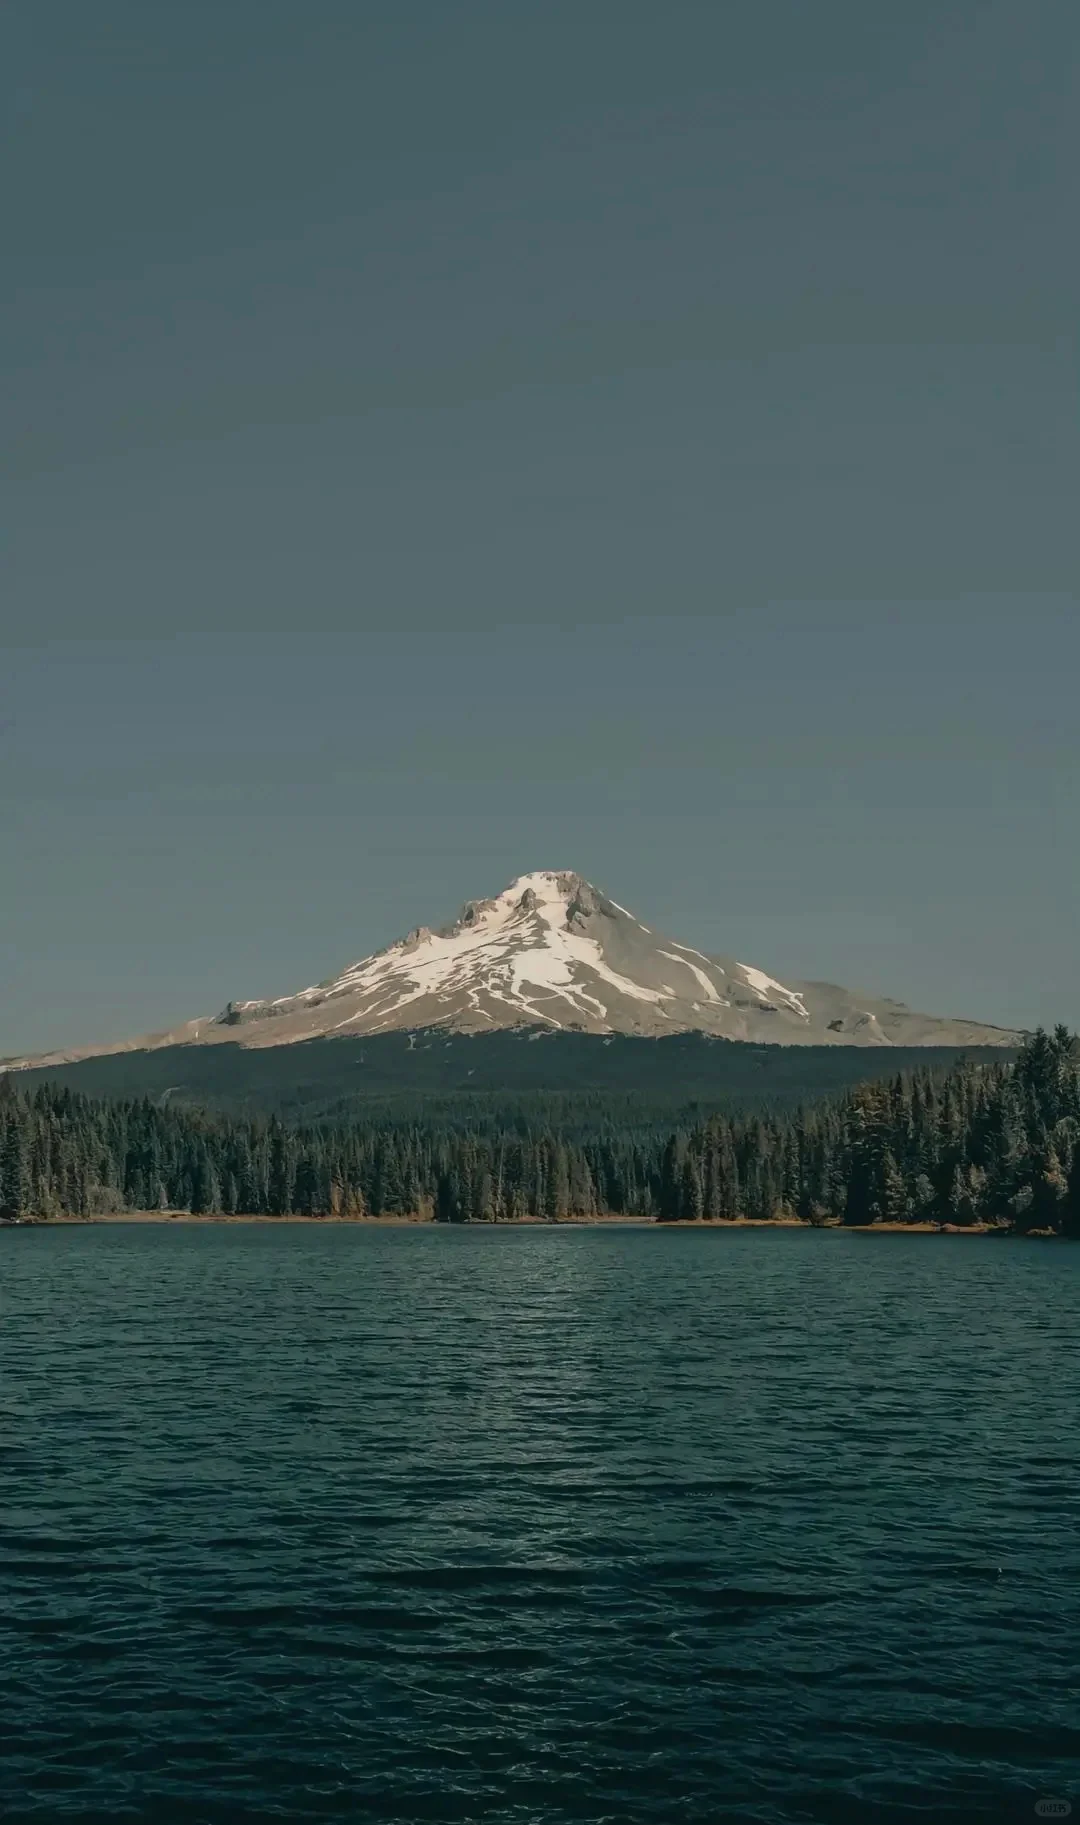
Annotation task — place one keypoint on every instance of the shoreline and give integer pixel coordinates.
(139, 1218)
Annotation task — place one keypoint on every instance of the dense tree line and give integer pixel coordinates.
(985, 1142)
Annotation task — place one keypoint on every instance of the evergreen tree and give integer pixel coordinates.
(692, 1189)
(558, 1183)
(282, 1168)
(892, 1203)
(1070, 1207)
(15, 1167)
(1050, 1191)
(671, 1179)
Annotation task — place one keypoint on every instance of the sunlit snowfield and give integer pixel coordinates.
(534, 1525)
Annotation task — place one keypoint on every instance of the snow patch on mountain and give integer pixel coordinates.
(768, 985)
(698, 974)
(551, 952)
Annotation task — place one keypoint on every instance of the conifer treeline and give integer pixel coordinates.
(997, 1143)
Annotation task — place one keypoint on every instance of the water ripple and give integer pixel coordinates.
(536, 1528)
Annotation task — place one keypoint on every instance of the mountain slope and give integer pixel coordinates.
(552, 952)
(575, 1083)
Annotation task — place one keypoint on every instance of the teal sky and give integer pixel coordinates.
(441, 442)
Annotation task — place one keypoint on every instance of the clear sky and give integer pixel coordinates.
(442, 441)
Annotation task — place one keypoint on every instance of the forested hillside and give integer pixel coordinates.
(570, 1081)
(985, 1143)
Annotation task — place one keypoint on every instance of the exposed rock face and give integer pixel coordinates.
(554, 952)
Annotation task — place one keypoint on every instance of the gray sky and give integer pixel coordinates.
(445, 441)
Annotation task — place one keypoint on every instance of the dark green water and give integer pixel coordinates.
(532, 1525)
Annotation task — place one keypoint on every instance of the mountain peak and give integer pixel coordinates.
(546, 884)
(545, 892)
(552, 951)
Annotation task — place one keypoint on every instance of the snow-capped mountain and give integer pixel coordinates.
(554, 953)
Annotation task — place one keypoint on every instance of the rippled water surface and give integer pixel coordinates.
(533, 1525)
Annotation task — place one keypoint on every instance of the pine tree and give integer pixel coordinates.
(962, 1199)
(864, 1155)
(205, 1189)
(691, 1189)
(558, 1185)
(281, 1172)
(1050, 1192)
(15, 1165)
(1070, 1208)
(671, 1179)
(892, 1204)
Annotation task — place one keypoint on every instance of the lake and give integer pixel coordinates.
(516, 1525)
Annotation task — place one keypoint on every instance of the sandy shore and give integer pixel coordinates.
(383, 1222)
(400, 1222)
(924, 1229)
(186, 1216)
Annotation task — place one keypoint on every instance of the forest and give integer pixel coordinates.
(569, 1081)
(982, 1143)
